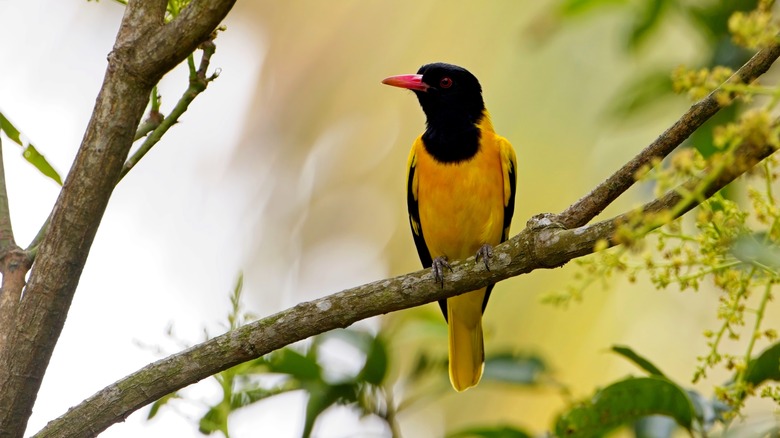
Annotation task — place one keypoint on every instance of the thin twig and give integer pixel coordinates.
(154, 118)
(590, 205)
(198, 83)
(32, 248)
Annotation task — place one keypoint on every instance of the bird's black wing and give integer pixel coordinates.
(509, 168)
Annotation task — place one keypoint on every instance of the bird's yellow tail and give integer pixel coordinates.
(464, 316)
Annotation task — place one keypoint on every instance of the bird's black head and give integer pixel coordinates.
(451, 98)
(446, 92)
(452, 93)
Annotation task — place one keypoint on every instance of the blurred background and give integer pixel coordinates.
(290, 168)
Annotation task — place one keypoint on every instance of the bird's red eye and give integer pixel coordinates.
(445, 82)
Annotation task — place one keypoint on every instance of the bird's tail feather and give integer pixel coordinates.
(466, 353)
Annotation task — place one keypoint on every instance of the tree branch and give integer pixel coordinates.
(14, 263)
(40, 315)
(590, 205)
(543, 244)
(180, 37)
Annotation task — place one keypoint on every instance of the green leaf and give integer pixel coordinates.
(321, 398)
(643, 92)
(648, 18)
(757, 248)
(10, 130)
(216, 419)
(160, 402)
(491, 432)
(426, 364)
(640, 361)
(375, 368)
(569, 8)
(251, 395)
(711, 18)
(625, 402)
(289, 361)
(30, 153)
(234, 317)
(513, 368)
(254, 366)
(764, 367)
(39, 161)
(314, 407)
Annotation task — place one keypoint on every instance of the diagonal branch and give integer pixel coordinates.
(180, 36)
(590, 205)
(544, 244)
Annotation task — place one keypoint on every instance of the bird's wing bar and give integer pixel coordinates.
(414, 208)
(509, 168)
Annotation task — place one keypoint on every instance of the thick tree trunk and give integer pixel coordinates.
(144, 51)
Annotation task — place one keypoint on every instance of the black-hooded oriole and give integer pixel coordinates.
(461, 183)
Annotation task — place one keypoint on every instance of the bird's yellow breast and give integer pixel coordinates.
(461, 205)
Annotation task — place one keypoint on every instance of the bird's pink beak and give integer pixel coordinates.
(411, 82)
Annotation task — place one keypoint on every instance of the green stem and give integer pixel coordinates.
(750, 89)
(153, 120)
(768, 179)
(198, 83)
(713, 354)
(155, 99)
(771, 200)
(391, 414)
(754, 336)
(682, 237)
(32, 248)
(709, 270)
(191, 66)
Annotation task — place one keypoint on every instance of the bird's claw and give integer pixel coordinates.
(486, 253)
(439, 263)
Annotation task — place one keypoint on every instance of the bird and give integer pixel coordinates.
(461, 185)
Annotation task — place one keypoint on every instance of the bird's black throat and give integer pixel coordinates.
(451, 143)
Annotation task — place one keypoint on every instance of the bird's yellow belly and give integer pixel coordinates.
(461, 205)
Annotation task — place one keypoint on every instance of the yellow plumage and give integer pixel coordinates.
(460, 194)
(461, 207)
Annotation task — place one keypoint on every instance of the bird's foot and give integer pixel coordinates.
(485, 252)
(439, 263)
